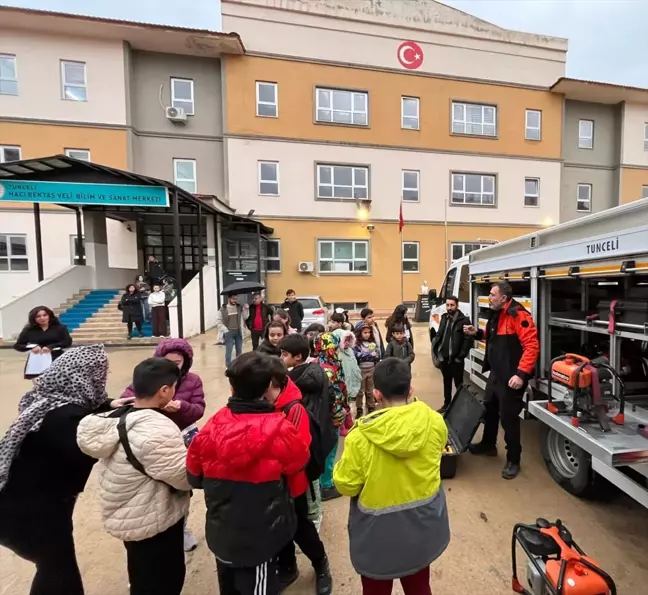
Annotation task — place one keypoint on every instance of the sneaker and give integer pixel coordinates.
(287, 576)
(128, 337)
(444, 408)
(330, 494)
(323, 578)
(190, 542)
(479, 448)
(359, 413)
(511, 470)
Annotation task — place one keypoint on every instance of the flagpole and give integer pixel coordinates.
(401, 225)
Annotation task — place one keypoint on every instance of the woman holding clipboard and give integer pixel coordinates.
(44, 336)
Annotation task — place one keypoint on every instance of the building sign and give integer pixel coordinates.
(68, 193)
(410, 55)
(603, 247)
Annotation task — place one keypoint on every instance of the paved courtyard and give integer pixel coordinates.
(483, 507)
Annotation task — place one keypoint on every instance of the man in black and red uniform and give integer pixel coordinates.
(511, 353)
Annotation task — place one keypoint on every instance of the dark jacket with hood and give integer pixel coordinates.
(296, 311)
(241, 459)
(189, 389)
(460, 344)
(131, 307)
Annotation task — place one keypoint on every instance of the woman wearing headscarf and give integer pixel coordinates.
(42, 470)
(399, 316)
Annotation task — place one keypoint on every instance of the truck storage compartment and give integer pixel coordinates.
(462, 418)
(625, 311)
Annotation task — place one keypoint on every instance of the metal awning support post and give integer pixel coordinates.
(217, 260)
(258, 231)
(177, 250)
(201, 284)
(39, 242)
(79, 230)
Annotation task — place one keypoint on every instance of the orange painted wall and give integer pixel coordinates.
(382, 286)
(297, 81)
(632, 181)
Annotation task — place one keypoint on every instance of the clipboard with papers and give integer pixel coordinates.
(37, 363)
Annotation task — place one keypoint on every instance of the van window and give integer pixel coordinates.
(449, 283)
(464, 285)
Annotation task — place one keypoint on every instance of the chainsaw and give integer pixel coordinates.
(589, 386)
(555, 563)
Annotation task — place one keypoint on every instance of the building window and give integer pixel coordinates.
(80, 154)
(533, 124)
(410, 189)
(584, 198)
(273, 256)
(269, 178)
(74, 250)
(531, 192)
(13, 253)
(410, 257)
(184, 174)
(586, 134)
(342, 181)
(461, 249)
(182, 95)
(9, 153)
(644, 192)
(343, 256)
(410, 113)
(342, 107)
(267, 102)
(350, 306)
(646, 136)
(473, 189)
(8, 75)
(73, 78)
(474, 119)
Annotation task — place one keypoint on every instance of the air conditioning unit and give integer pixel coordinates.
(306, 267)
(176, 114)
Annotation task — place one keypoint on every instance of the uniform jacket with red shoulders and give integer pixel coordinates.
(297, 483)
(241, 459)
(511, 342)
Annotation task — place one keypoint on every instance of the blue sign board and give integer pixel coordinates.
(68, 193)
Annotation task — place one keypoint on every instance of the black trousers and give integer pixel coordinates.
(156, 566)
(138, 326)
(256, 339)
(42, 534)
(452, 372)
(306, 537)
(503, 404)
(254, 580)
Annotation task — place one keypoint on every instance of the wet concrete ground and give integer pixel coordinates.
(483, 507)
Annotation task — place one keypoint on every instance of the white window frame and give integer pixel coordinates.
(645, 136)
(274, 104)
(589, 198)
(404, 188)
(183, 102)
(456, 202)
(417, 260)
(273, 258)
(10, 257)
(528, 129)
(331, 92)
(464, 122)
(354, 187)
(644, 191)
(65, 84)
(585, 141)
(178, 181)
(463, 248)
(268, 181)
(353, 259)
(536, 195)
(3, 148)
(11, 57)
(69, 153)
(404, 100)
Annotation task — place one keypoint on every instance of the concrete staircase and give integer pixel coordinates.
(105, 326)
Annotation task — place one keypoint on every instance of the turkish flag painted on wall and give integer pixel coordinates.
(401, 221)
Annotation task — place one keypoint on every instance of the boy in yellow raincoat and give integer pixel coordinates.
(390, 468)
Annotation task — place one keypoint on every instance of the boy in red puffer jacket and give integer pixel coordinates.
(306, 537)
(240, 459)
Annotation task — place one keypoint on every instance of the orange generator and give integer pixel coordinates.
(556, 565)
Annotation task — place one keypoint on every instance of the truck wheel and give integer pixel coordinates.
(571, 467)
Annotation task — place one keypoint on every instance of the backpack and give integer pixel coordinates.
(315, 466)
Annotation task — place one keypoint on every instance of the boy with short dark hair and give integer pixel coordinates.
(391, 470)
(295, 308)
(143, 487)
(306, 405)
(399, 347)
(241, 459)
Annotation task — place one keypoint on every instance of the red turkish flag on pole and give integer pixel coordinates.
(401, 221)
